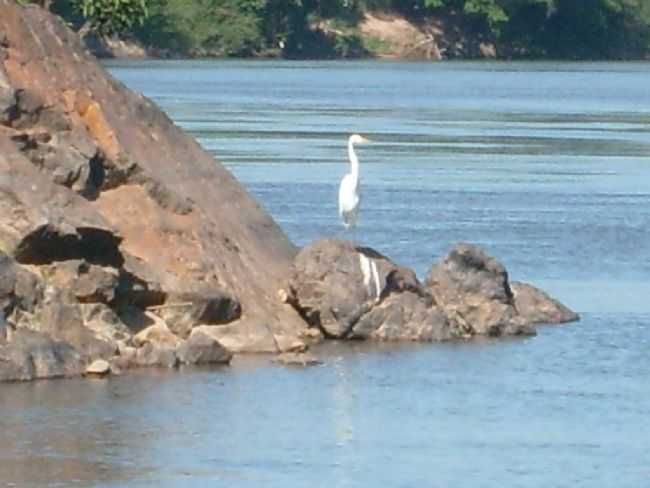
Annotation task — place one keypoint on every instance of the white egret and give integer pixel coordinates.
(349, 195)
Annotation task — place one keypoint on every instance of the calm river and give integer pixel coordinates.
(545, 165)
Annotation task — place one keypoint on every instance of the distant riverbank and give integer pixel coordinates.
(385, 34)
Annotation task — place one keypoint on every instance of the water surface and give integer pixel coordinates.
(546, 165)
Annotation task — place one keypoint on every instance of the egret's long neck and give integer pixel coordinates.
(354, 163)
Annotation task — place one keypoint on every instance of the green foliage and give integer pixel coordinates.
(375, 45)
(205, 27)
(490, 10)
(550, 28)
(112, 16)
(556, 28)
(597, 29)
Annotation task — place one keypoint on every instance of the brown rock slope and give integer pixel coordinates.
(110, 207)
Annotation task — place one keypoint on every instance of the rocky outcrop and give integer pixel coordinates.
(472, 289)
(110, 214)
(351, 292)
(31, 355)
(200, 348)
(122, 241)
(536, 307)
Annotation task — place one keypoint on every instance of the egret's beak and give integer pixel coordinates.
(365, 139)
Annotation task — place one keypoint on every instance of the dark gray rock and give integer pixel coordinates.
(139, 284)
(350, 292)
(7, 283)
(59, 316)
(473, 290)
(356, 293)
(70, 161)
(200, 348)
(332, 284)
(536, 307)
(32, 355)
(150, 355)
(89, 283)
(405, 316)
(20, 290)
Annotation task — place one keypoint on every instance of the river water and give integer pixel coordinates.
(546, 165)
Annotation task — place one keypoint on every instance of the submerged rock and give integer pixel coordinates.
(99, 367)
(297, 359)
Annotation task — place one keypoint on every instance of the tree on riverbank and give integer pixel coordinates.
(101, 16)
(585, 29)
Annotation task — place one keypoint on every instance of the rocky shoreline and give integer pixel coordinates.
(123, 244)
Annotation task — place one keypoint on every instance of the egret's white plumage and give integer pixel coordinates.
(349, 194)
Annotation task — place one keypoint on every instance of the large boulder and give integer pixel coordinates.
(151, 355)
(59, 316)
(406, 316)
(353, 292)
(200, 348)
(33, 355)
(473, 289)
(537, 307)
